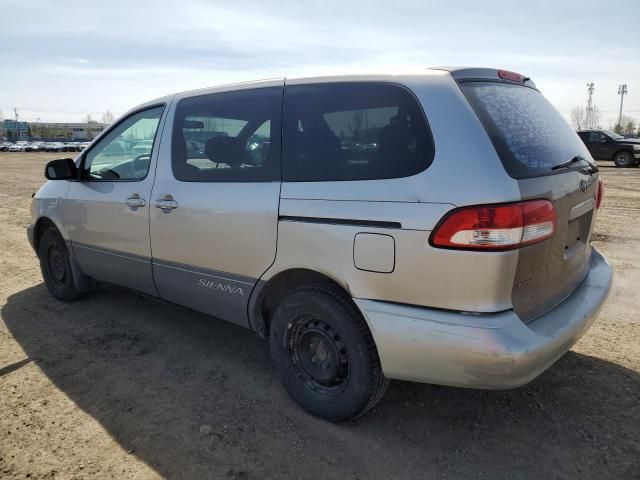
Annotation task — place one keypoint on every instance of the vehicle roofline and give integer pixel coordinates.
(393, 77)
(400, 76)
(257, 83)
(389, 75)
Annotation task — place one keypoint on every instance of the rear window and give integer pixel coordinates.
(349, 131)
(528, 133)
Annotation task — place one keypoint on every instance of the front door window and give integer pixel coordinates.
(125, 152)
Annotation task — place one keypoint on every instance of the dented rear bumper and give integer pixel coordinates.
(491, 351)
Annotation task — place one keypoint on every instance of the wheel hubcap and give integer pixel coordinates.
(318, 354)
(56, 264)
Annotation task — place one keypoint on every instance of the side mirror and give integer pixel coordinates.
(63, 169)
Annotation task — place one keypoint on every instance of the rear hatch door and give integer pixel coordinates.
(549, 161)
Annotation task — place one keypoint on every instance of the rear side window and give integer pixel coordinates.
(528, 133)
(349, 131)
(597, 137)
(228, 137)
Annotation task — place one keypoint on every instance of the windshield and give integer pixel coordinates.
(529, 134)
(613, 135)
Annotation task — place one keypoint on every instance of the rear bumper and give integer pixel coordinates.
(492, 351)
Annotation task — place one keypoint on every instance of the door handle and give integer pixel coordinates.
(166, 204)
(134, 201)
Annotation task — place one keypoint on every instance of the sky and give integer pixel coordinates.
(61, 60)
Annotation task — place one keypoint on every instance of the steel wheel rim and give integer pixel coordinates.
(317, 355)
(56, 265)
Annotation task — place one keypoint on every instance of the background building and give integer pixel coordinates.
(15, 130)
(84, 131)
(65, 131)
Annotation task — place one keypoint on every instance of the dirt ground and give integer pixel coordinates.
(120, 386)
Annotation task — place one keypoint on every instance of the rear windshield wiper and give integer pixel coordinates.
(592, 168)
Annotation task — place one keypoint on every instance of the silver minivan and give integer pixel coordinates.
(431, 227)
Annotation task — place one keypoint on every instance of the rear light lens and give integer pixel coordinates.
(496, 227)
(512, 76)
(599, 194)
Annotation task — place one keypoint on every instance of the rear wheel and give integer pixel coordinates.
(325, 354)
(623, 159)
(56, 267)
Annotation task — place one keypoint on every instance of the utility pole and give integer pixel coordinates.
(588, 114)
(622, 90)
(590, 88)
(16, 128)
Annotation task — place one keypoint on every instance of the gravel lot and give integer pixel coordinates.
(120, 386)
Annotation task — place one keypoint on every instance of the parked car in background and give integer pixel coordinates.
(141, 147)
(416, 256)
(54, 147)
(607, 145)
(34, 147)
(73, 147)
(17, 147)
(4, 146)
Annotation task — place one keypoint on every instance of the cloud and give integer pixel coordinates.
(113, 55)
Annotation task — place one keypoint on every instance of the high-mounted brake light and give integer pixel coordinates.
(599, 194)
(496, 227)
(512, 76)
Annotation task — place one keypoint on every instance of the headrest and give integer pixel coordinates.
(227, 150)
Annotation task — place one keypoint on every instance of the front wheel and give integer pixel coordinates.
(623, 159)
(56, 267)
(325, 354)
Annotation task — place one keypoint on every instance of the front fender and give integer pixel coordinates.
(48, 207)
(49, 203)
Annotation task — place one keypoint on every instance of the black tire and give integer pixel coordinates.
(55, 266)
(623, 159)
(325, 355)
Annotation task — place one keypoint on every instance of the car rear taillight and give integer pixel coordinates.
(496, 227)
(511, 76)
(599, 194)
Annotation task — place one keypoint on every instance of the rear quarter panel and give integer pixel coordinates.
(466, 170)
